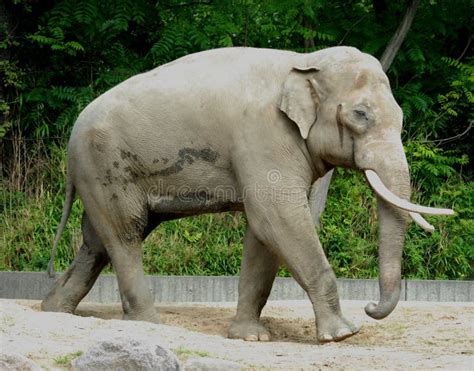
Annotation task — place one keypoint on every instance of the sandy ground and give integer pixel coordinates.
(418, 335)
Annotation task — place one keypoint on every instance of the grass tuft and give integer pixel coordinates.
(183, 353)
(66, 359)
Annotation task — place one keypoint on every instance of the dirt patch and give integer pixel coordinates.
(416, 335)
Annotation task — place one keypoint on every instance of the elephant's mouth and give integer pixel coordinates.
(413, 209)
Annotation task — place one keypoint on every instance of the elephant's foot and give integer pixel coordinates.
(335, 328)
(251, 330)
(58, 300)
(53, 304)
(148, 315)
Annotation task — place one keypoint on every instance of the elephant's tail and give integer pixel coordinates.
(70, 192)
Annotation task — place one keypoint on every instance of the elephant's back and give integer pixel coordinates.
(198, 80)
(197, 98)
(212, 74)
(223, 63)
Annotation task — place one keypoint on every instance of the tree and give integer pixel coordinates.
(399, 36)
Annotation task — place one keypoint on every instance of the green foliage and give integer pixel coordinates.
(429, 164)
(448, 251)
(66, 359)
(29, 218)
(61, 55)
(348, 233)
(203, 245)
(352, 249)
(212, 244)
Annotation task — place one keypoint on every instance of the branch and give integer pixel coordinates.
(351, 28)
(466, 47)
(450, 139)
(399, 36)
(308, 43)
(180, 5)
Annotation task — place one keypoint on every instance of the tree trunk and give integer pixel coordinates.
(399, 36)
(318, 196)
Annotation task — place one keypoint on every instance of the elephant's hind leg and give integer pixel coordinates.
(258, 271)
(69, 289)
(121, 226)
(137, 300)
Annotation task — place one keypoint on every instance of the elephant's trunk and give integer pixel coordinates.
(392, 203)
(392, 228)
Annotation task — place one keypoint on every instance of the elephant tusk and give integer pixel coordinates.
(418, 219)
(381, 190)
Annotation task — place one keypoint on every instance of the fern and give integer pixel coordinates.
(85, 12)
(415, 56)
(55, 39)
(64, 93)
(429, 164)
(67, 117)
(457, 64)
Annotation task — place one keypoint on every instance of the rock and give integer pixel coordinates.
(126, 354)
(210, 364)
(17, 362)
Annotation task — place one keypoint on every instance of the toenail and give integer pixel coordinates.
(325, 337)
(251, 338)
(343, 332)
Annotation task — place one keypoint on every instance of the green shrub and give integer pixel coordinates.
(203, 245)
(349, 231)
(212, 244)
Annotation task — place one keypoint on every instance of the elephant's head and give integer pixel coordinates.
(342, 103)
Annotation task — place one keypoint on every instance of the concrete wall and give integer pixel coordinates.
(35, 285)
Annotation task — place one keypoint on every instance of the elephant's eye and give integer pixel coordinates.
(361, 114)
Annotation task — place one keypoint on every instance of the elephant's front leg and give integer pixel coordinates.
(283, 222)
(257, 273)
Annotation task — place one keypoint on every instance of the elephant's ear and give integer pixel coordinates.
(300, 99)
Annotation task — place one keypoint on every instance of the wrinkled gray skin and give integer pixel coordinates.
(235, 129)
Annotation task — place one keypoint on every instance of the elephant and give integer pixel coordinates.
(243, 129)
